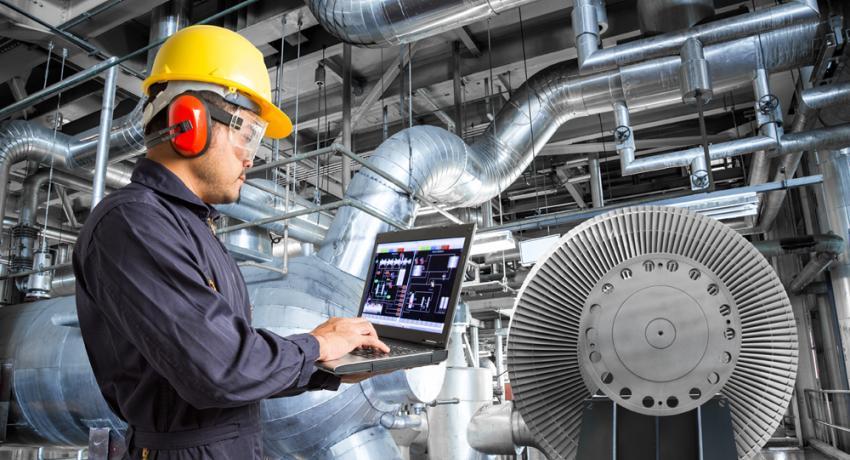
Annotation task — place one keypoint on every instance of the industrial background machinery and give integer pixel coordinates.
(662, 192)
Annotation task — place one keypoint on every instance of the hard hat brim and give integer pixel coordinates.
(280, 125)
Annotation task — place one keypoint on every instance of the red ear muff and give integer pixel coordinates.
(192, 142)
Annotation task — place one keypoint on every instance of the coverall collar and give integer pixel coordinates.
(159, 178)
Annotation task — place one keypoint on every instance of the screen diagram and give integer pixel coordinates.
(412, 282)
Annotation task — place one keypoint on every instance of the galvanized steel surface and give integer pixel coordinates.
(443, 168)
(376, 23)
(546, 334)
(672, 15)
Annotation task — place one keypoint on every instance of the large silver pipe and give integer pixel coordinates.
(255, 204)
(166, 19)
(657, 16)
(99, 184)
(592, 59)
(835, 193)
(443, 168)
(31, 191)
(810, 101)
(376, 23)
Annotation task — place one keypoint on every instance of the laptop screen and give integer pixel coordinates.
(411, 283)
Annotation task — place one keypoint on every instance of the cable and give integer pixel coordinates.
(530, 121)
(56, 125)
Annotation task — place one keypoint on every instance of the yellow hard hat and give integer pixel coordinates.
(220, 56)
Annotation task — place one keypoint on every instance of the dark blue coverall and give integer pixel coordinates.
(166, 321)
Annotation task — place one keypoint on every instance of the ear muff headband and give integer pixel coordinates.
(195, 141)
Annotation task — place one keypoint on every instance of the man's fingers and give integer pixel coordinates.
(372, 341)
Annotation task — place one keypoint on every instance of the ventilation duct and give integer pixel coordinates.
(660, 309)
(440, 166)
(376, 23)
(659, 16)
(49, 356)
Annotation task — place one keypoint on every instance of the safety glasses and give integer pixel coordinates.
(245, 130)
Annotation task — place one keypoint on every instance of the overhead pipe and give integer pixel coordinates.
(790, 145)
(442, 167)
(827, 248)
(382, 23)
(829, 243)
(760, 163)
(108, 106)
(809, 102)
(88, 74)
(593, 59)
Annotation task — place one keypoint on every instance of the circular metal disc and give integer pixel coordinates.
(660, 334)
(640, 318)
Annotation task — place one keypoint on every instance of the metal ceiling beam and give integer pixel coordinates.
(428, 100)
(462, 34)
(378, 88)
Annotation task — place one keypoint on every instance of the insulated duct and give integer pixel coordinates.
(376, 23)
(658, 16)
(586, 26)
(441, 167)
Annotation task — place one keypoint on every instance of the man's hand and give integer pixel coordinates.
(338, 336)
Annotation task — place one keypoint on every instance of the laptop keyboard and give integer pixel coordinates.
(395, 350)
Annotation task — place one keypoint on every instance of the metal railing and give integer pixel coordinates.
(342, 150)
(821, 405)
(330, 150)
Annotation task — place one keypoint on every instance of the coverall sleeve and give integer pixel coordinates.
(187, 331)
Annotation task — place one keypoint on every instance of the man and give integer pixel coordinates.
(163, 308)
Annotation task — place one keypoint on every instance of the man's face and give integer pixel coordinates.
(222, 169)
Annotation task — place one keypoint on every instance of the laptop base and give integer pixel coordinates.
(350, 365)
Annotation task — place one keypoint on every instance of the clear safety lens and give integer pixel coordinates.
(247, 135)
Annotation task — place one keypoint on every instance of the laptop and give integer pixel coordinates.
(411, 292)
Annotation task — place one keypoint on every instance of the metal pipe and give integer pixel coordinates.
(828, 450)
(35, 271)
(499, 354)
(62, 32)
(68, 83)
(592, 59)
(812, 270)
(817, 139)
(438, 165)
(572, 217)
(835, 204)
(830, 243)
(392, 421)
(166, 19)
(99, 184)
(31, 191)
(381, 23)
(250, 263)
(596, 195)
(85, 75)
(457, 89)
(499, 429)
(346, 113)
